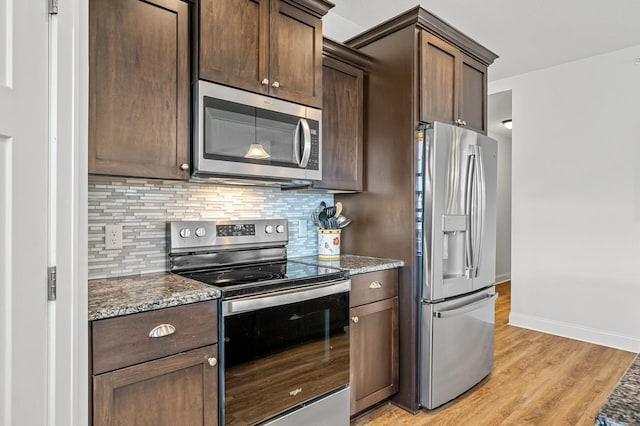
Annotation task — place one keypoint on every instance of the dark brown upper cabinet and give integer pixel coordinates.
(343, 73)
(453, 85)
(451, 68)
(139, 88)
(273, 47)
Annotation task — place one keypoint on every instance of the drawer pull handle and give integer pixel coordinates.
(375, 284)
(162, 330)
(212, 361)
(355, 319)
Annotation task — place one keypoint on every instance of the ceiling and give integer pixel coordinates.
(527, 35)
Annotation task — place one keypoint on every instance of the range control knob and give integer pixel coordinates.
(200, 231)
(280, 229)
(185, 233)
(268, 229)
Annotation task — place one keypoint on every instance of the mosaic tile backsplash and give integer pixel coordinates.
(143, 207)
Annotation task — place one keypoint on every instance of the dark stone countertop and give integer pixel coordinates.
(352, 263)
(111, 297)
(623, 405)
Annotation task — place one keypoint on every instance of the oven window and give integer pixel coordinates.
(241, 133)
(277, 358)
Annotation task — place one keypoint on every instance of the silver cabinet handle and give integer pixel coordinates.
(212, 361)
(265, 82)
(275, 85)
(355, 319)
(184, 166)
(460, 122)
(162, 330)
(375, 284)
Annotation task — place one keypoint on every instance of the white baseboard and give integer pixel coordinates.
(576, 332)
(503, 277)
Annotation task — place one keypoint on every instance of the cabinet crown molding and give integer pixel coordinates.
(427, 21)
(341, 52)
(319, 8)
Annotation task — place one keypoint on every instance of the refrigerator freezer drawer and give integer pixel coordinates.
(457, 346)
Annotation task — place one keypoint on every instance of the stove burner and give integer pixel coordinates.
(240, 275)
(263, 277)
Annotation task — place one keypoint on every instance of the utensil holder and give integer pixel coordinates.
(329, 243)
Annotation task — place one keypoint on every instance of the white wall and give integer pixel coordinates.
(576, 199)
(339, 28)
(499, 109)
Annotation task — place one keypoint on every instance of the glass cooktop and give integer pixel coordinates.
(264, 277)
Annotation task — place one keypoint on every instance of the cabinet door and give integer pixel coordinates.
(438, 80)
(473, 94)
(234, 43)
(176, 390)
(295, 52)
(139, 88)
(342, 126)
(374, 353)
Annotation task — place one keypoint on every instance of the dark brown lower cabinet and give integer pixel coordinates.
(176, 390)
(373, 338)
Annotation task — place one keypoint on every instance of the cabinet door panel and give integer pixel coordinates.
(342, 126)
(180, 389)
(374, 353)
(139, 88)
(295, 54)
(473, 94)
(195, 326)
(233, 43)
(438, 80)
(373, 286)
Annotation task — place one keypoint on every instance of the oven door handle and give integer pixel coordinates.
(232, 307)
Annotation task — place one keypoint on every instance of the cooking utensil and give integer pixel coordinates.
(330, 211)
(342, 221)
(322, 217)
(315, 219)
(338, 209)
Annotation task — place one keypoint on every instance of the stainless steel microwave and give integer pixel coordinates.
(245, 135)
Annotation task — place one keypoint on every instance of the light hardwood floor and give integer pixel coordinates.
(538, 379)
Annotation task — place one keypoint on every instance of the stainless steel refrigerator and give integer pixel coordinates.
(455, 190)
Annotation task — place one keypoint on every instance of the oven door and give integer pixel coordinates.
(282, 350)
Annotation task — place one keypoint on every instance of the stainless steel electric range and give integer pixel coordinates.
(283, 326)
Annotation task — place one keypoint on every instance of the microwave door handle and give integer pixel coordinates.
(296, 142)
(306, 133)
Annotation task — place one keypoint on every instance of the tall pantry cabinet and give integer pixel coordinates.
(422, 70)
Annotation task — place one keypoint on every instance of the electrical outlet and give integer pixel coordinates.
(113, 237)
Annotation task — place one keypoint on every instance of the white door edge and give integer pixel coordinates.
(68, 404)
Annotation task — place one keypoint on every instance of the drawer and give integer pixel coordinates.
(122, 341)
(373, 286)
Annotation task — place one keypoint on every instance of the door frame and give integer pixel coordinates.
(68, 377)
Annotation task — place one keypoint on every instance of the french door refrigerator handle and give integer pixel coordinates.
(468, 207)
(466, 308)
(482, 194)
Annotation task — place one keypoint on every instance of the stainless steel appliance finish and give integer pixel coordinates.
(283, 326)
(456, 224)
(333, 410)
(229, 121)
